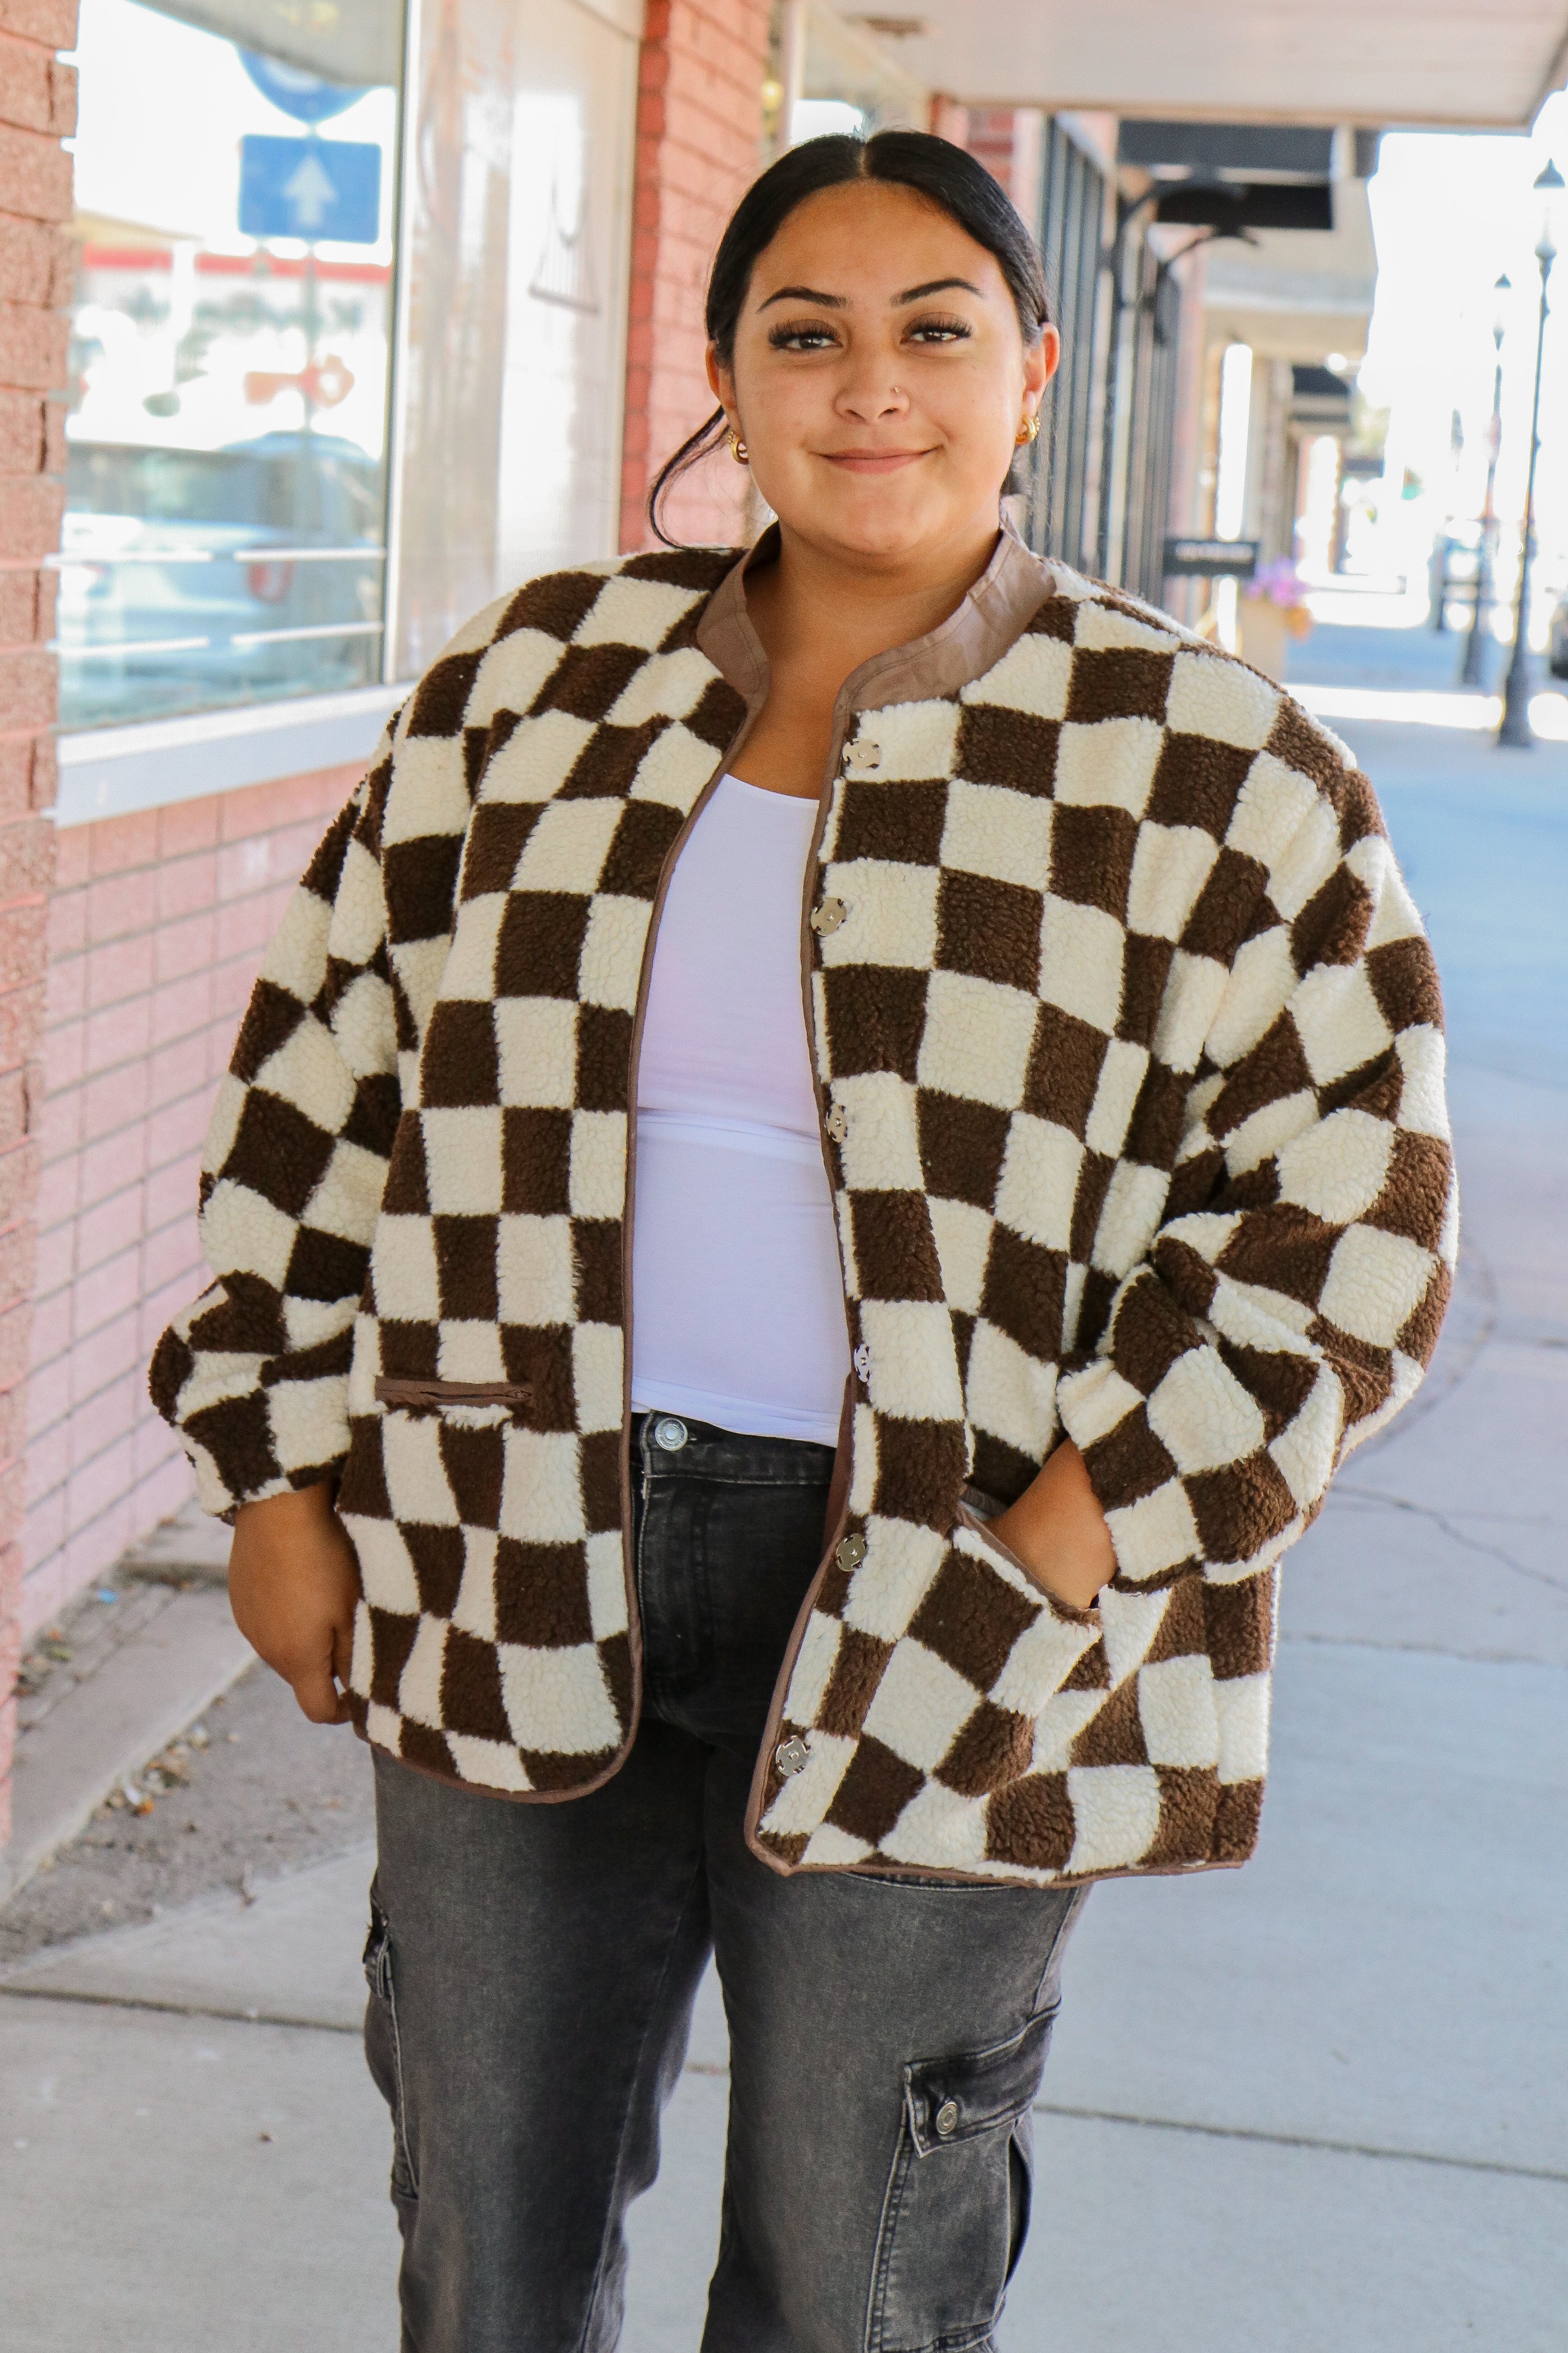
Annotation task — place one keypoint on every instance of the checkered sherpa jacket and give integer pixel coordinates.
(1131, 1074)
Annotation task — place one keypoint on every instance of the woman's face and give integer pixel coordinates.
(880, 378)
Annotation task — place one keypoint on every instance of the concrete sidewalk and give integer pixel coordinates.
(141, 1659)
(1317, 2104)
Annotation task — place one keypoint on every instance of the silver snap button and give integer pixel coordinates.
(851, 1551)
(825, 919)
(669, 1433)
(863, 1361)
(947, 2118)
(863, 757)
(838, 1122)
(791, 1756)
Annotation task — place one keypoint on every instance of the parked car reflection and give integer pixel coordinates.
(196, 578)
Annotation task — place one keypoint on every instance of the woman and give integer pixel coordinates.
(1033, 1064)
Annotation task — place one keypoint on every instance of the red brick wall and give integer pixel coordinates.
(699, 118)
(1007, 140)
(38, 108)
(156, 930)
(987, 133)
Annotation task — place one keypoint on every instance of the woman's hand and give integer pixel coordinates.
(1058, 1533)
(293, 1582)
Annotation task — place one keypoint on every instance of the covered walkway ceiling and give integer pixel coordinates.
(1470, 63)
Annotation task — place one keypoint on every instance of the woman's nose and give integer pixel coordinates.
(871, 397)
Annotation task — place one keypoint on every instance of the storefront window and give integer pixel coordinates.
(224, 536)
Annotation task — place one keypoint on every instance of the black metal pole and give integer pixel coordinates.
(1472, 670)
(1115, 364)
(1124, 218)
(1515, 730)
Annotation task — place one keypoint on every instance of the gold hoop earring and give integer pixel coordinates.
(1029, 431)
(738, 449)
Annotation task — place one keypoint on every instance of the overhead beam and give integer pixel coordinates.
(1322, 118)
(1443, 64)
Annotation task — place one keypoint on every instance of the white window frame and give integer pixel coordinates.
(106, 772)
(116, 771)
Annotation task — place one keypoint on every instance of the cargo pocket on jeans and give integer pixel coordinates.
(384, 2052)
(958, 2197)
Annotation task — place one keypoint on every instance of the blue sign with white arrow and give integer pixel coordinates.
(311, 188)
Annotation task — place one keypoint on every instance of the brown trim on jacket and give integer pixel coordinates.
(989, 618)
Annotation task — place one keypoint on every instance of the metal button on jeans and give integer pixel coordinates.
(669, 1433)
(851, 1551)
(791, 1756)
(825, 919)
(946, 2118)
(838, 1122)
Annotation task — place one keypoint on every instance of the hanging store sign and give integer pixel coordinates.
(1211, 559)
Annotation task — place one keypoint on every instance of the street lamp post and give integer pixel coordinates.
(1515, 728)
(1472, 670)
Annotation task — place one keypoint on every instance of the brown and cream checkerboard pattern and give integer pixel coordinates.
(1130, 1057)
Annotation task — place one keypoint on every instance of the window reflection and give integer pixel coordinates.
(223, 539)
(519, 251)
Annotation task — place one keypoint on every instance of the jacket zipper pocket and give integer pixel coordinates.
(492, 1399)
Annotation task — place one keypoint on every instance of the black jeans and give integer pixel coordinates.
(533, 1970)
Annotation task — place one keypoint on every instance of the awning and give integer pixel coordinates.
(1470, 63)
(358, 42)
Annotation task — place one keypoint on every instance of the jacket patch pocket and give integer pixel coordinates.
(383, 2050)
(958, 2197)
(981, 1528)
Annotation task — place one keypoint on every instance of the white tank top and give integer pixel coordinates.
(737, 1304)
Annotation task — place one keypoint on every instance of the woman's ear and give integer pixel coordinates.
(1040, 363)
(720, 382)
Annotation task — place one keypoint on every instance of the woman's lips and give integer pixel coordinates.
(873, 461)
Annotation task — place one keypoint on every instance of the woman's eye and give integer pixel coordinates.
(811, 337)
(938, 331)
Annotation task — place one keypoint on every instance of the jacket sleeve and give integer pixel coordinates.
(1291, 1299)
(254, 1374)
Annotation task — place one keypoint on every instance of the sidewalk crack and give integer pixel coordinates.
(1441, 1520)
(1303, 2141)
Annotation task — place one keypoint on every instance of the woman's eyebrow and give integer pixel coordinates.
(806, 294)
(935, 286)
(841, 302)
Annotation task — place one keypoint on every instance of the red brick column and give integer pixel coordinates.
(699, 120)
(1009, 142)
(38, 108)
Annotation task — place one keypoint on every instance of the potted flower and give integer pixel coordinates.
(1273, 611)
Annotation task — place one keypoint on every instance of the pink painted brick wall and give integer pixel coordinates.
(156, 930)
(38, 109)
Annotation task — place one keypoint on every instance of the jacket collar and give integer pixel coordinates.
(972, 640)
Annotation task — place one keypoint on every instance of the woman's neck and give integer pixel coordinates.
(819, 618)
(812, 607)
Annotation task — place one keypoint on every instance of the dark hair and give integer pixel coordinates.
(945, 175)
